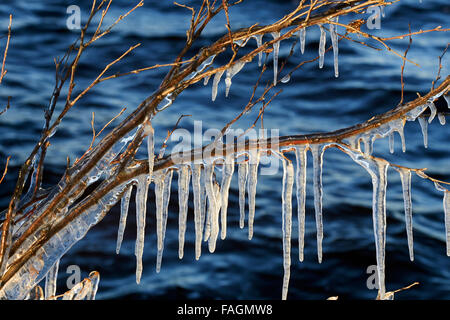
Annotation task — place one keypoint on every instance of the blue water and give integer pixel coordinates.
(314, 100)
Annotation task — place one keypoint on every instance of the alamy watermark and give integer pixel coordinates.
(73, 21)
(374, 19)
(243, 144)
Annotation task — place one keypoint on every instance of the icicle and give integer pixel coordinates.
(334, 41)
(300, 154)
(211, 197)
(302, 36)
(166, 198)
(50, 281)
(141, 211)
(441, 117)
(258, 38)
(196, 188)
(288, 181)
(231, 72)
(215, 219)
(402, 137)
(391, 142)
(317, 153)
(251, 184)
(424, 126)
(322, 43)
(241, 43)
(123, 217)
(242, 178)
(215, 84)
(447, 219)
(276, 50)
(447, 99)
(159, 202)
(405, 176)
(446, 202)
(378, 171)
(184, 176)
(433, 111)
(225, 186)
(286, 78)
(149, 132)
(206, 80)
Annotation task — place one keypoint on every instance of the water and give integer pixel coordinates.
(368, 84)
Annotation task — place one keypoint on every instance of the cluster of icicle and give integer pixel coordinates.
(236, 67)
(211, 196)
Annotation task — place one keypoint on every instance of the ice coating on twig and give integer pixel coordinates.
(251, 184)
(405, 176)
(125, 203)
(286, 78)
(215, 84)
(300, 154)
(322, 43)
(227, 175)
(276, 50)
(51, 280)
(184, 176)
(141, 212)
(242, 181)
(288, 182)
(317, 153)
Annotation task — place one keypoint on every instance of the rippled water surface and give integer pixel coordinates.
(313, 101)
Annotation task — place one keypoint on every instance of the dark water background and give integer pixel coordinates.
(312, 101)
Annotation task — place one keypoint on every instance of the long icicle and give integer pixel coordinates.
(184, 176)
(225, 187)
(159, 201)
(300, 154)
(334, 42)
(124, 204)
(251, 184)
(166, 199)
(447, 219)
(405, 176)
(302, 36)
(276, 50)
(288, 182)
(141, 211)
(215, 219)
(317, 153)
(196, 189)
(322, 43)
(379, 181)
(424, 126)
(242, 178)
